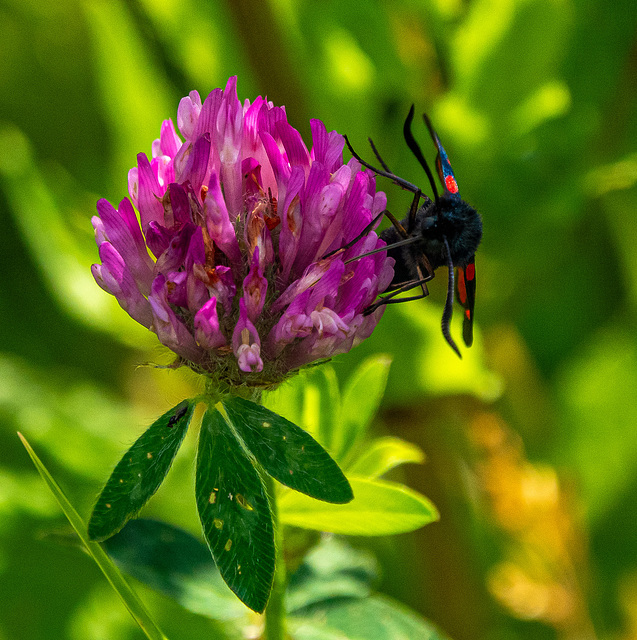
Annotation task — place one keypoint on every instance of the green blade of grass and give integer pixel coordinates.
(130, 599)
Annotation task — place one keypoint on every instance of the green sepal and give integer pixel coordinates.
(287, 452)
(234, 512)
(140, 472)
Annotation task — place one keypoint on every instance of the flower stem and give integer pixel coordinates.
(275, 611)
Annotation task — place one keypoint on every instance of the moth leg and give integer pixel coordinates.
(405, 286)
(389, 299)
(364, 232)
(413, 210)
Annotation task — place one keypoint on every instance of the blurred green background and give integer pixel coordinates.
(531, 439)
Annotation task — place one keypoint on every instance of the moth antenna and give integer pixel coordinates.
(386, 174)
(432, 132)
(416, 150)
(382, 162)
(448, 310)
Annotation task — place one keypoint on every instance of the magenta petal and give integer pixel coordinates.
(223, 287)
(294, 323)
(353, 221)
(150, 193)
(115, 278)
(157, 238)
(169, 328)
(169, 141)
(251, 127)
(174, 256)
(269, 117)
(188, 114)
(218, 222)
(133, 185)
(196, 250)
(164, 169)
(294, 146)
(328, 323)
(328, 285)
(257, 237)
(176, 289)
(249, 358)
(291, 222)
(128, 215)
(122, 230)
(310, 277)
(176, 206)
(197, 293)
(246, 343)
(386, 274)
(328, 148)
(228, 143)
(363, 285)
(320, 140)
(197, 163)
(207, 332)
(332, 235)
(319, 208)
(330, 201)
(100, 232)
(255, 287)
(208, 115)
(278, 161)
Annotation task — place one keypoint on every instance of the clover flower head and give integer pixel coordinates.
(235, 258)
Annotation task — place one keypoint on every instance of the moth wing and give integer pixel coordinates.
(466, 289)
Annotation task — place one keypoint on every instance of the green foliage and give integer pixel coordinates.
(328, 594)
(361, 398)
(286, 452)
(375, 618)
(140, 472)
(383, 455)
(231, 498)
(379, 508)
(177, 564)
(330, 571)
(234, 511)
(339, 421)
(116, 579)
(238, 440)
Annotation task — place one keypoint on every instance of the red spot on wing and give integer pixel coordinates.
(462, 289)
(467, 313)
(451, 184)
(471, 271)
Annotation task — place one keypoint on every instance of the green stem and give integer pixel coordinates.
(275, 611)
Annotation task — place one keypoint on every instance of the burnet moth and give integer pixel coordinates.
(445, 231)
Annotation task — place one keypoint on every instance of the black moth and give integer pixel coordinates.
(445, 231)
